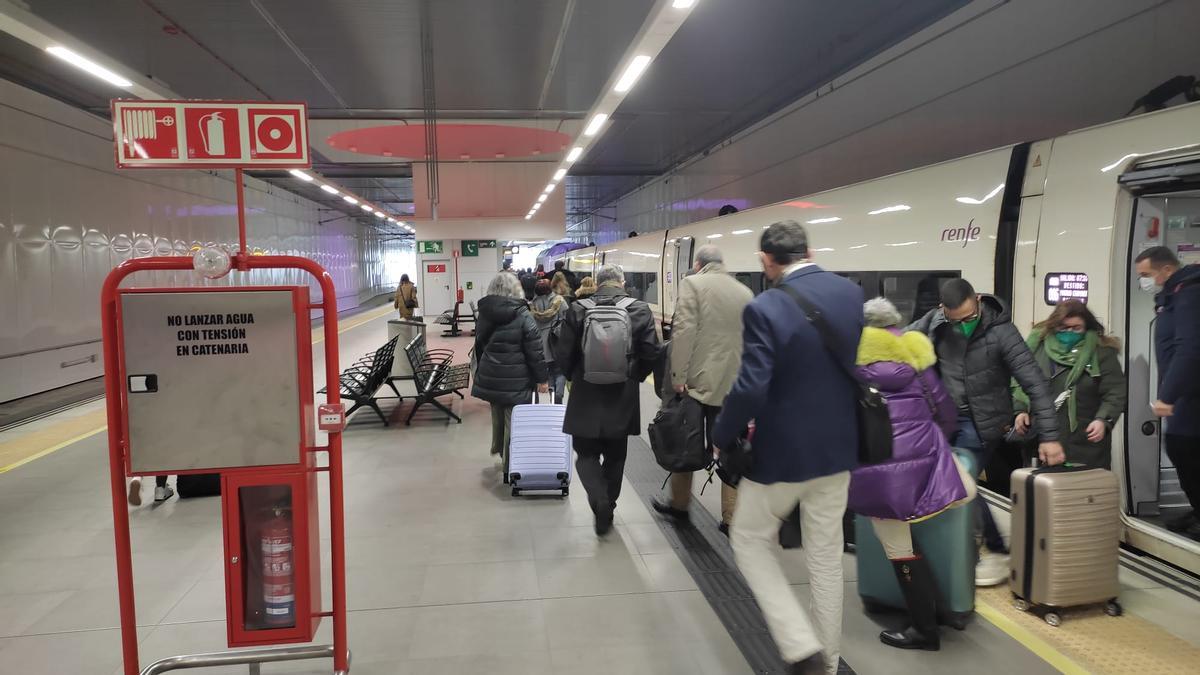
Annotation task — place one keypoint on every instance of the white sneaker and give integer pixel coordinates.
(162, 494)
(992, 569)
(135, 492)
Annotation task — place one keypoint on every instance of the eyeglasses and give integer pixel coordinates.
(965, 319)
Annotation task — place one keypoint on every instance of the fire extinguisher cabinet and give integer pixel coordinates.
(272, 557)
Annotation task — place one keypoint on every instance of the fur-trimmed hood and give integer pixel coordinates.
(911, 349)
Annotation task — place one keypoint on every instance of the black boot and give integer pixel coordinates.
(920, 594)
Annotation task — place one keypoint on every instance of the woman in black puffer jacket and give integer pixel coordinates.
(509, 358)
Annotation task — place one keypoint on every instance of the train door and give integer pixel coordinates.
(1170, 219)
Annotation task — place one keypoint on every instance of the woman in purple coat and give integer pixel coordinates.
(922, 478)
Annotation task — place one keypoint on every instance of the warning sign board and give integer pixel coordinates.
(210, 134)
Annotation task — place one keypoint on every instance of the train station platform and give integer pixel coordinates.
(448, 573)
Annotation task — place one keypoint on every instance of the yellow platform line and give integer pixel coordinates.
(16, 447)
(1033, 643)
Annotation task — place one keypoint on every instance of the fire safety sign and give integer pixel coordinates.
(210, 134)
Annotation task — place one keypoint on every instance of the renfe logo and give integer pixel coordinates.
(966, 234)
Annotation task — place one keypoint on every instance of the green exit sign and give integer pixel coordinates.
(429, 246)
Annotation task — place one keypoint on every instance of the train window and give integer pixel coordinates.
(642, 285)
(755, 281)
(913, 293)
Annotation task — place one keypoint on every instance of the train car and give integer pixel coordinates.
(1033, 223)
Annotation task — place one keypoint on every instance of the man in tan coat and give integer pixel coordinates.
(706, 351)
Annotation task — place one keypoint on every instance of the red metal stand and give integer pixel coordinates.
(118, 437)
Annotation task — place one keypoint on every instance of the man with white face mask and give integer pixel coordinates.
(1177, 348)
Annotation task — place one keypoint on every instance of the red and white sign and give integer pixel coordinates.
(435, 269)
(210, 134)
(331, 417)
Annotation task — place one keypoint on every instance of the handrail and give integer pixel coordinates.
(251, 657)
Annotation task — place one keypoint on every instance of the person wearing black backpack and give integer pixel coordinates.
(606, 345)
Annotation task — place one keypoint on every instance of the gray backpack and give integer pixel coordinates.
(607, 341)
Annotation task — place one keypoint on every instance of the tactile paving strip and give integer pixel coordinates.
(706, 555)
(1099, 643)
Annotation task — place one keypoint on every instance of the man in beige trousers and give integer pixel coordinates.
(706, 350)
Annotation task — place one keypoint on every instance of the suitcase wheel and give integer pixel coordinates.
(1021, 604)
(566, 491)
(1113, 608)
(1053, 619)
(516, 491)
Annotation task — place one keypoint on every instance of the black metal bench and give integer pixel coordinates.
(365, 377)
(434, 375)
(454, 317)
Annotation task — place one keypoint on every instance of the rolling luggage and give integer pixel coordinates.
(946, 541)
(1065, 539)
(539, 453)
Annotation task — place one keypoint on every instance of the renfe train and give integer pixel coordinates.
(1033, 223)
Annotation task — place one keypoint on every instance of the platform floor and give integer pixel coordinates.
(447, 573)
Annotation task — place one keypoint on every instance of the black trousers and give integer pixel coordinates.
(600, 464)
(1184, 452)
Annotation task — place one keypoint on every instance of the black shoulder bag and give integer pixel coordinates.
(874, 422)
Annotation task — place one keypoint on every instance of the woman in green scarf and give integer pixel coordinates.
(1084, 369)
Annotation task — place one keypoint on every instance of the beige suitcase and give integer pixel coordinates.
(1065, 539)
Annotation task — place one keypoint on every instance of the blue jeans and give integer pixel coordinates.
(968, 438)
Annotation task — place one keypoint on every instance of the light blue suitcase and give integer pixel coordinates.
(539, 453)
(947, 541)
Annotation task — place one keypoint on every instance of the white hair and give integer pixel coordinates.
(708, 254)
(881, 313)
(610, 273)
(506, 285)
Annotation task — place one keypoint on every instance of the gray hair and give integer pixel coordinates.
(708, 254)
(881, 313)
(610, 274)
(506, 285)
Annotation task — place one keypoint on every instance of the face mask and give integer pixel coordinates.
(1148, 285)
(968, 327)
(1068, 338)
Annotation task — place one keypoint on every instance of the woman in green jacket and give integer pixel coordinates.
(1084, 369)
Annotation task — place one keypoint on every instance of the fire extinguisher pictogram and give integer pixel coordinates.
(279, 597)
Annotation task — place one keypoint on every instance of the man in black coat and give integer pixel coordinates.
(602, 417)
(979, 353)
(1177, 350)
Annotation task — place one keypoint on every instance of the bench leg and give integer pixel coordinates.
(416, 405)
(446, 410)
(397, 391)
(375, 406)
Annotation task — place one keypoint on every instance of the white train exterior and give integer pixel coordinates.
(1060, 217)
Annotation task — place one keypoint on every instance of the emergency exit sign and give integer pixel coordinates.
(434, 246)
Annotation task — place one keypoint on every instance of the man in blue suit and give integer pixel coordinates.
(805, 443)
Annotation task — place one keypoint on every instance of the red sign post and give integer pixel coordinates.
(269, 490)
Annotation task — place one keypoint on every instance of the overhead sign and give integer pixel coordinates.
(210, 134)
(1062, 286)
(470, 248)
(435, 269)
(487, 243)
(434, 246)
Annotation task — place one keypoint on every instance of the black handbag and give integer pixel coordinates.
(874, 422)
(735, 460)
(677, 436)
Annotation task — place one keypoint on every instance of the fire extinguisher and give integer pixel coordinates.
(279, 597)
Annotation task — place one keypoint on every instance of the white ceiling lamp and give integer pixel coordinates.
(550, 188)
(558, 175)
(741, 232)
(575, 153)
(528, 216)
(818, 221)
(301, 175)
(632, 72)
(683, 4)
(715, 236)
(349, 199)
(593, 127)
(89, 66)
(542, 197)
(379, 214)
(330, 189)
(367, 208)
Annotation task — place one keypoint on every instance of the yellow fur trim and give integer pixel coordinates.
(913, 349)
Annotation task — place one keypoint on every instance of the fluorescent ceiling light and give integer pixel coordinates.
(574, 154)
(301, 175)
(367, 208)
(632, 72)
(715, 236)
(379, 214)
(558, 175)
(528, 216)
(741, 232)
(889, 209)
(542, 197)
(593, 127)
(818, 221)
(89, 66)
(550, 188)
(683, 4)
(330, 189)
(349, 199)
